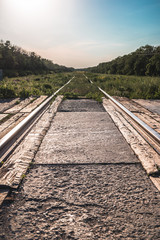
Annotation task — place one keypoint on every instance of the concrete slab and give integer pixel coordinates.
(75, 199)
(84, 137)
(84, 202)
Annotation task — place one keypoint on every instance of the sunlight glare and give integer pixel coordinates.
(36, 16)
(39, 8)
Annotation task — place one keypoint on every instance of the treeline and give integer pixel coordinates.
(144, 61)
(14, 61)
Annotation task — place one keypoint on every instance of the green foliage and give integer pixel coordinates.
(81, 87)
(128, 86)
(47, 89)
(1, 163)
(96, 96)
(47, 86)
(17, 62)
(23, 176)
(6, 92)
(6, 118)
(115, 85)
(70, 95)
(24, 93)
(24, 87)
(144, 61)
(17, 102)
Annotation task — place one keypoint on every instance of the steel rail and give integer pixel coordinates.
(155, 135)
(9, 136)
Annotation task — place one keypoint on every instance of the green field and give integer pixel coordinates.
(35, 85)
(81, 87)
(128, 86)
(115, 85)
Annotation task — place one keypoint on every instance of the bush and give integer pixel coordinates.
(24, 93)
(128, 86)
(6, 93)
(70, 95)
(47, 86)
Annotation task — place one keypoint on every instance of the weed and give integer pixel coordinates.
(23, 176)
(70, 95)
(81, 87)
(128, 86)
(17, 102)
(32, 85)
(30, 164)
(6, 118)
(1, 163)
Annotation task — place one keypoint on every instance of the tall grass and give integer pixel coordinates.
(81, 87)
(128, 86)
(115, 85)
(32, 85)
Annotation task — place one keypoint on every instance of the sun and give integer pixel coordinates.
(31, 9)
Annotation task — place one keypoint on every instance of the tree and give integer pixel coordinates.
(144, 61)
(15, 61)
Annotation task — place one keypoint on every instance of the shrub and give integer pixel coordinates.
(7, 93)
(24, 93)
(70, 95)
(47, 86)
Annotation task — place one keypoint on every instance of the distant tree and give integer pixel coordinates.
(153, 67)
(144, 61)
(129, 61)
(15, 61)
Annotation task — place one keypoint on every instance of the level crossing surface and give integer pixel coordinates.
(85, 183)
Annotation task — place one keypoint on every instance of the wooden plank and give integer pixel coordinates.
(152, 119)
(148, 157)
(7, 103)
(151, 105)
(20, 106)
(156, 181)
(13, 170)
(3, 195)
(3, 116)
(30, 107)
(11, 123)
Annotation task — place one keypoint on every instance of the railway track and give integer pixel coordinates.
(11, 140)
(149, 134)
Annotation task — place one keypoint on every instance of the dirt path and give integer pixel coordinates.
(86, 183)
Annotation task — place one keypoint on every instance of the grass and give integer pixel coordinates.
(23, 176)
(128, 86)
(81, 87)
(6, 118)
(1, 163)
(34, 85)
(115, 85)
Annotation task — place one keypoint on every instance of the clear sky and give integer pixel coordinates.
(80, 33)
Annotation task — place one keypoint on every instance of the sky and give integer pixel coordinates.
(80, 33)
